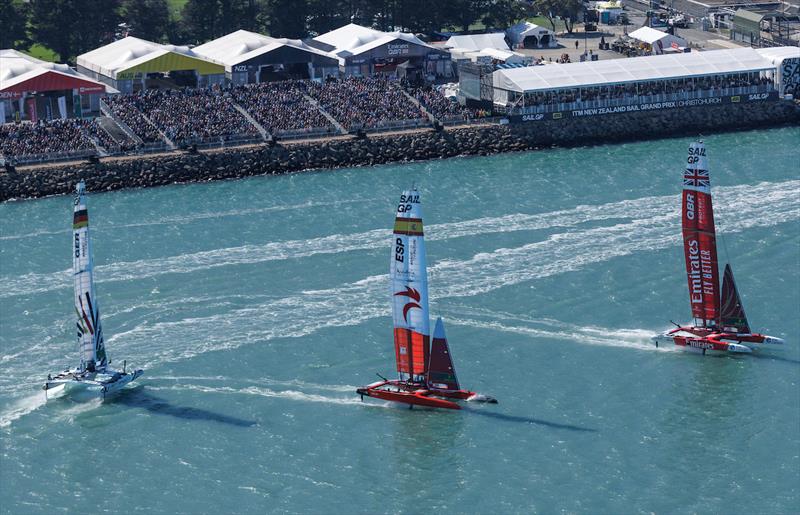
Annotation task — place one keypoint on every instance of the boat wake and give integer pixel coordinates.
(293, 395)
(649, 214)
(22, 407)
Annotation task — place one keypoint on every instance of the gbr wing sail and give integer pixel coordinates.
(90, 331)
(409, 293)
(441, 372)
(732, 312)
(699, 238)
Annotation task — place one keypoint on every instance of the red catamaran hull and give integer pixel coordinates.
(705, 339)
(416, 394)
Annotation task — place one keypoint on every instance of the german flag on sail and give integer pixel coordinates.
(81, 219)
(408, 226)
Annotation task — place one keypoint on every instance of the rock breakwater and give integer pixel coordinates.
(182, 167)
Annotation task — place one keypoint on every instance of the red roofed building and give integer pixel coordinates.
(33, 89)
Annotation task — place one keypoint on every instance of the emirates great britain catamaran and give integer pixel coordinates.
(93, 373)
(427, 376)
(720, 324)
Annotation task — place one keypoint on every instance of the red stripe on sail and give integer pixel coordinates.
(411, 351)
(700, 250)
(441, 373)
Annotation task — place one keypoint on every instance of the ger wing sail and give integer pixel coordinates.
(90, 331)
(699, 237)
(732, 312)
(441, 372)
(409, 283)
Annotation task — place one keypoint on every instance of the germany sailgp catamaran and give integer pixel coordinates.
(427, 376)
(93, 372)
(720, 324)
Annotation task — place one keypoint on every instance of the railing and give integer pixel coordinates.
(122, 125)
(27, 159)
(316, 132)
(393, 125)
(641, 99)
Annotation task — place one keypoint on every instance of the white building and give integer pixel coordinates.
(657, 41)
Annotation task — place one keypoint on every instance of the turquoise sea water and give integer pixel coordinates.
(257, 306)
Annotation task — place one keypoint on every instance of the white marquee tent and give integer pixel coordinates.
(658, 40)
(635, 69)
(495, 40)
(530, 35)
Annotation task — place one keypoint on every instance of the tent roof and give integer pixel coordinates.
(242, 45)
(650, 35)
(495, 40)
(20, 72)
(132, 54)
(617, 71)
(526, 28)
(777, 54)
(354, 39)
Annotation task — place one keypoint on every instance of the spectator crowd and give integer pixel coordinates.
(280, 106)
(56, 136)
(184, 116)
(362, 102)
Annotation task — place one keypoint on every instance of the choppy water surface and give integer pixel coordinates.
(257, 306)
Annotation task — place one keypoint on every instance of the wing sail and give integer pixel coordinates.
(699, 237)
(732, 312)
(90, 331)
(441, 372)
(409, 282)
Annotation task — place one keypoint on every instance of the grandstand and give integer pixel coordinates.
(639, 80)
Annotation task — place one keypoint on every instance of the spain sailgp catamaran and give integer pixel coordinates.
(720, 324)
(93, 372)
(427, 376)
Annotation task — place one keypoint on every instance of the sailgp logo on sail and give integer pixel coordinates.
(414, 298)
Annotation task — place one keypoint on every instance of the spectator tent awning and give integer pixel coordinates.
(21, 73)
(244, 47)
(652, 36)
(354, 40)
(635, 69)
(128, 56)
(496, 40)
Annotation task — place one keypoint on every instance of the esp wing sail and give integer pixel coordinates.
(409, 288)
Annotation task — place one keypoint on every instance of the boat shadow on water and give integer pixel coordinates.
(138, 397)
(527, 420)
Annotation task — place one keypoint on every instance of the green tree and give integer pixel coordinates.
(13, 24)
(72, 27)
(568, 10)
(148, 19)
(502, 14)
(204, 20)
(287, 18)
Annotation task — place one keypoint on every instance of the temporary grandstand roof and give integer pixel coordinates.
(635, 69)
(650, 36)
(20, 73)
(520, 31)
(133, 55)
(495, 40)
(242, 46)
(353, 40)
(777, 54)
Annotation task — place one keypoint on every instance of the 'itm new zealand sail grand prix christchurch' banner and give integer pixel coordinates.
(643, 107)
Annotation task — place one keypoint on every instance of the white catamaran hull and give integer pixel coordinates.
(95, 385)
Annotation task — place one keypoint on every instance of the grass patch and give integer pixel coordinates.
(544, 22)
(42, 52)
(176, 8)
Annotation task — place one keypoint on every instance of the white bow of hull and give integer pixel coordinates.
(99, 384)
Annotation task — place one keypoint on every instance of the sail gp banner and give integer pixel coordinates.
(638, 108)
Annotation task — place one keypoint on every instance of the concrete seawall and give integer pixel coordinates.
(181, 167)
